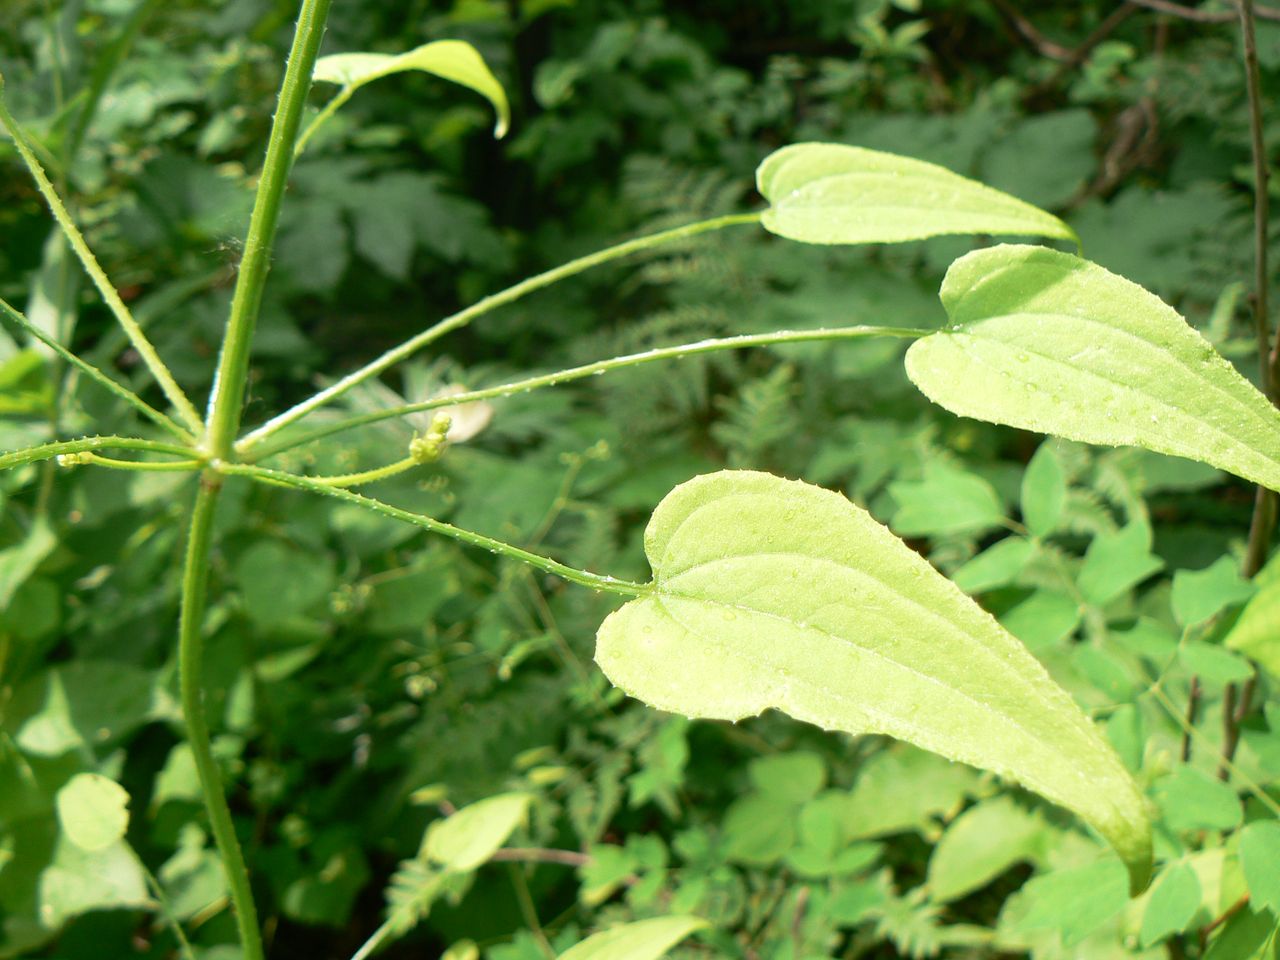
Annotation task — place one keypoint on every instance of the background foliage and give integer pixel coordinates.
(369, 678)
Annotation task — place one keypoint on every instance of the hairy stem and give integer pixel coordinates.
(369, 476)
(225, 404)
(481, 307)
(590, 369)
(186, 412)
(584, 578)
(145, 466)
(227, 399)
(321, 118)
(47, 451)
(195, 579)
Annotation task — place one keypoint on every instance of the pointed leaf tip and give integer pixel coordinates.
(771, 593)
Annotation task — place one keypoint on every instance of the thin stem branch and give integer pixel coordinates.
(481, 307)
(1201, 16)
(582, 577)
(321, 118)
(93, 373)
(145, 466)
(369, 476)
(375, 941)
(186, 412)
(47, 451)
(586, 370)
(226, 402)
(195, 579)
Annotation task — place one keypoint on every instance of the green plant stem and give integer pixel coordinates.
(481, 307)
(47, 451)
(227, 399)
(195, 579)
(323, 117)
(186, 412)
(145, 466)
(587, 370)
(225, 403)
(368, 476)
(93, 373)
(375, 941)
(584, 578)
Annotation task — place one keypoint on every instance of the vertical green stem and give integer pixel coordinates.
(195, 580)
(223, 421)
(227, 400)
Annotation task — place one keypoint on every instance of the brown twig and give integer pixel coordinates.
(1027, 30)
(1202, 16)
(1193, 708)
(1232, 719)
(567, 858)
(1264, 509)
(1226, 915)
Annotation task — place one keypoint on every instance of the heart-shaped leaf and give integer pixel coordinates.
(450, 59)
(1049, 342)
(832, 193)
(771, 593)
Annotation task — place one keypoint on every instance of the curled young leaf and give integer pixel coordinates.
(1049, 342)
(452, 60)
(771, 593)
(832, 193)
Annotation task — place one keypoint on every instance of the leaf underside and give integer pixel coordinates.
(1049, 342)
(452, 60)
(771, 593)
(832, 193)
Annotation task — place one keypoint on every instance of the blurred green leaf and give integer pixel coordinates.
(93, 811)
(450, 59)
(643, 940)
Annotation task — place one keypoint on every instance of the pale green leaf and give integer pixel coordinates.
(949, 500)
(1192, 800)
(832, 193)
(1260, 858)
(78, 881)
(1174, 900)
(770, 593)
(995, 566)
(1074, 901)
(449, 59)
(981, 844)
(1044, 492)
(1201, 594)
(1211, 663)
(1116, 562)
(1257, 631)
(1048, 342)
(469, 837)
(643, 940)
(19, 561)
(1043, 618)
(93, 811)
